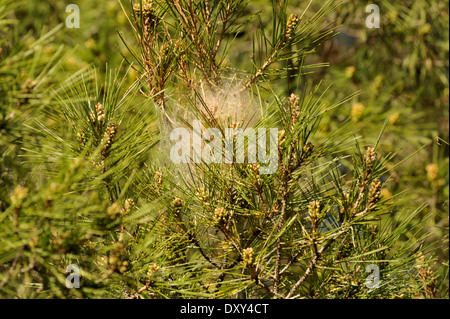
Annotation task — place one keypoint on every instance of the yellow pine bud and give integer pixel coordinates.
(158, 180)
(113, 211)
(375, 191)
(349, 71)
(432, 172)
(314, 209)
(129, 203)
(290, 26)
(220, 215)
(108, 138)
(393, 119)
(248, 256)
(18, 195)
(177, 204)
(369, 159)
(307, 149)
(357, 111)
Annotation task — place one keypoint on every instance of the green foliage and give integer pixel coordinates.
(87, 180)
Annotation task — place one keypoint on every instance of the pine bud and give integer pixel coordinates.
(108, 138)
(152, 268)
(165, 51)
(369, 159)
(432, 172)
(116, 258)
(393, 119)
(248, 256)
(82, 139)
(314, 209)
(201, 195)
(290, 26)
(349, 71)
(295, 109)
(113, 211)
(98, 115)
(177, 204)
(314, 215)
(100, 112)
(357, 111)
(18, 195)
(307, 149)
(158, 181)
(294, 100)
(220, 215)
(148, 12)
(28, 85)
(375, 191)
(129, 204)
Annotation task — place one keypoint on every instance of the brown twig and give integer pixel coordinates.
(313, 263)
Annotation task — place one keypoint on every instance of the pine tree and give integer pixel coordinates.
(87, 180)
